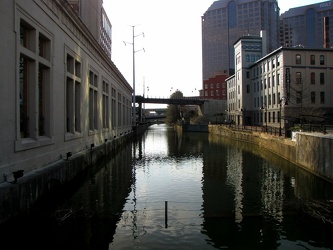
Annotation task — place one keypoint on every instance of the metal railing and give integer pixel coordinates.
(253, 128)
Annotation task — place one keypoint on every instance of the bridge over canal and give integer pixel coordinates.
(194, 100)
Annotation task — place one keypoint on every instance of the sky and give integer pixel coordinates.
(167, 42)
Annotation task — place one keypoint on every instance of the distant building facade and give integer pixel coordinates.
(225, 22)
(248, 49)
(304, 26)
(216, 88)
(60, 90)
(291, 84)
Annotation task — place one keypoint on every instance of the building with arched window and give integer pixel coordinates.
(286, 87)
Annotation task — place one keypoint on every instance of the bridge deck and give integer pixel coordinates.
(181, 101)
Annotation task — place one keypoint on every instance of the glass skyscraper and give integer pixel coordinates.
(225, 22)
(304, 26)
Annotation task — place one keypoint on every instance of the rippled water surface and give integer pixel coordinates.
(172, 190)
(198, 191)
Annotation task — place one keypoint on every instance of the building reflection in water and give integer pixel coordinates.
(234, 181)
(246, 192)
(222, 194)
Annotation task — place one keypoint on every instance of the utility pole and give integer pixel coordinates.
(133, 45)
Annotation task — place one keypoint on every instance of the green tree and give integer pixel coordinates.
(173, 112)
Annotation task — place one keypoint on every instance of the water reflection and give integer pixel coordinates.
(82, 216)
(220, 193)
(259, 200)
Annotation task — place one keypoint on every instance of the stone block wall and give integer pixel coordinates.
(312, 152)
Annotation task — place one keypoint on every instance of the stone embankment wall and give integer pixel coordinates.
(315, 152)
(312, 152)
(18, 198)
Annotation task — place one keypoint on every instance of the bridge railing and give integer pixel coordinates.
(181, 101)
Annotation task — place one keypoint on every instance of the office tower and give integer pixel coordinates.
(225, 22)
(304, 26)
(95, 18)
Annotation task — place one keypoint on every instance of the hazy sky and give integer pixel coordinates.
(172, 42)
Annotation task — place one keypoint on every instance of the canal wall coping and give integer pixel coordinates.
(310, 151)
(18, 198)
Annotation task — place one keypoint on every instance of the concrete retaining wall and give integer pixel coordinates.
(195, 128)
(18, 198)
(315, 152)
(311, 152)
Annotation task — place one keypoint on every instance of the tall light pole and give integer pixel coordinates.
(286, 103)
(264, 108)
(133, 45)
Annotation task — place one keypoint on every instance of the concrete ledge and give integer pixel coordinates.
(18, 198)
(311, 152)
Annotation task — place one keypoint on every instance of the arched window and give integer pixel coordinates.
(298, 59)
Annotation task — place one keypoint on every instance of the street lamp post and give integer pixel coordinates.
(280, 129)
(265, 109)
(243, 116)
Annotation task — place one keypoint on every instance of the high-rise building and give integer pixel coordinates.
(304, 26)
(95, 18)
(225, 22)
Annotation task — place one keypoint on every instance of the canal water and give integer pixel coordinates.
(171, 190)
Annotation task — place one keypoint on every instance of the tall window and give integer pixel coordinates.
(322, 97)
(298, 59)
(312, 59)
(298, 97)
(298, 77)
(313, 97)
(313, 78)
(124, 111)
(232, 15)
(113, 107)
(310, 24)
(105, 104)
(34, 82)
(322, 78)
(73, 94)
(93, 95)
(119, 110)
(322, 60)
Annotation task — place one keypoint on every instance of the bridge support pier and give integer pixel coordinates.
(139, 112)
